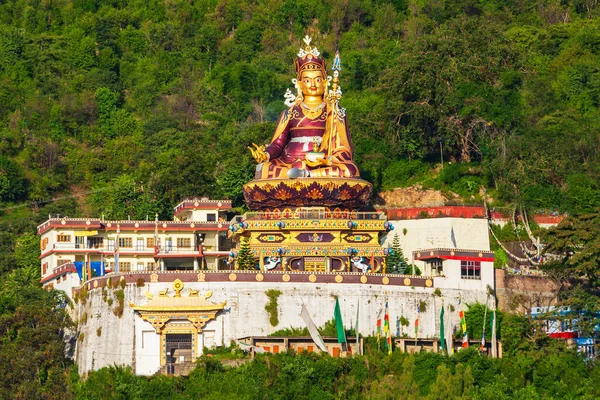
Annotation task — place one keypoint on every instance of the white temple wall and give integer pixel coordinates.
(147, 348)
(131, 341)
(447, 233)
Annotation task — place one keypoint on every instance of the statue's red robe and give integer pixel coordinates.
(299, 131)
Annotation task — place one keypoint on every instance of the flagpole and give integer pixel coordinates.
(356, 327)
(116, 269)
(484, 321)
(442, 333)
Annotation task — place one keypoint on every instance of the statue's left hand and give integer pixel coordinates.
(258, 152)
(319, 162)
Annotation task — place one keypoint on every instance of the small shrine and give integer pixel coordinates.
(308, 201)
(178, 320)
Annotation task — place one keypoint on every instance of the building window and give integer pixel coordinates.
(44, 268)
(95, 242)
(125, 242)
(437, 267)
(150, 242)
(63, 238)
(124, 266)
(62, 262)
(150, 266)
(470, 270)
(44, 243)
(211, 217)
(184, 243)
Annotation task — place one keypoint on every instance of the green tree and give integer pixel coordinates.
(396, 262)
(12, 182)
(572, 248)
(33, 322)
(107, 109)
(245, 259)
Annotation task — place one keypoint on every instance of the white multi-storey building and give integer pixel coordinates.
(76, 249)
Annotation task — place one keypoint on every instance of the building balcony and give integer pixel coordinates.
(98, 248)
(311, 214)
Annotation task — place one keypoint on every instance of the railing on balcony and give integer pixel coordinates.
(78, 246)
(100, 247)
(136, 268)
(166, 249)
(310, 214)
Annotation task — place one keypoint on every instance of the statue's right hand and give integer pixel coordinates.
(258, 152)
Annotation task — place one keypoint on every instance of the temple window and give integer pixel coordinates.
(436, 267)
(125, 242)
(470, 270)
(62, 262)
(211, 217)
(95, 242)
(150, 242)
(184, 242)
(124, 266)
(63, 238)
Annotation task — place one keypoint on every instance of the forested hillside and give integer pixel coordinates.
(124, 107)
(121, 108)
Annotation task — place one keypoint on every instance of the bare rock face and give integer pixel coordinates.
(413, 196)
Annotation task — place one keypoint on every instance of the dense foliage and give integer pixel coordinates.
(555, 373)
(121, 108)
(128, 106)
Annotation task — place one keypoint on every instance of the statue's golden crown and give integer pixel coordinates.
(309, 58)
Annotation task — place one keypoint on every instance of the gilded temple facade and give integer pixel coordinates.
(315, 239)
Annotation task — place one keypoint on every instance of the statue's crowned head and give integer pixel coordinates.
(309, 59)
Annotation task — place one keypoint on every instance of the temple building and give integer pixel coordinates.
(154, 294)
(76, 249)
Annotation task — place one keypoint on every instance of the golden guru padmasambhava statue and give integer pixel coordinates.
(311, 138)
(311, 146)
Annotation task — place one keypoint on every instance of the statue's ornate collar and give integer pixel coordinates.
(313, 113)
(320, 106)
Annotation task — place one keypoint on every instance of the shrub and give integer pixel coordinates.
(271, 306)
(120, 295)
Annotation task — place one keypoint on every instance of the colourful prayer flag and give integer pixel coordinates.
(339, 325)
(386, 328)
(463, 325)
(416, 328)
(417, 322)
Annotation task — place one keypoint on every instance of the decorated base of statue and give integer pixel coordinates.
(352, 193)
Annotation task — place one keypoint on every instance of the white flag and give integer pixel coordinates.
(312, 329)
(494, 341)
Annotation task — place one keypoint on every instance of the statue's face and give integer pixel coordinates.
(312, 83)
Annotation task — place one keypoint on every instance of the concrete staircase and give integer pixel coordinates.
(180, 369)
